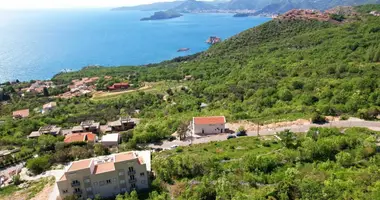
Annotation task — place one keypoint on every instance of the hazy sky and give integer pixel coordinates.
(31, 4)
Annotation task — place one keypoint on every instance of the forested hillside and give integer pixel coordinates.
(283, 67)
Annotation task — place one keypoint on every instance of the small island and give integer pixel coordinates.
(243, 14)
(169, 14)
(183, 49)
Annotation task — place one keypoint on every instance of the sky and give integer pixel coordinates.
(37, 4)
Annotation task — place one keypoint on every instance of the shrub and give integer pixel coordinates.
(318, 118)
(39, 164)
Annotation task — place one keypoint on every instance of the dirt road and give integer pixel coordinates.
(267, 131)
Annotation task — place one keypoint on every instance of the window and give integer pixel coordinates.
(96, 183)
(101, 183)
(133, 185)
(77, 189)
(89, 189)
(123, 189)
(108, 181)
(87, 181)
(122, 181)
(142, 182)
(131, 169)
(114, 180)
(142, 174)
(132, 177)
(75, 182)
(65, 191)
(121, 173)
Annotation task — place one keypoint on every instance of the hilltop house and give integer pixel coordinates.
(87, 126)
(208, 125)
(122, 124)
(106, 176)
(48, 107)
(80, 137)
(49, 129)
(18, 114)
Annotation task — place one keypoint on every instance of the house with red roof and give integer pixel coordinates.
(208, 125)
(80, 137)
(106, 176)
(18, 114)
(119, 86)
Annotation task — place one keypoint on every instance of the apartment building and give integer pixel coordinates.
(106, 175)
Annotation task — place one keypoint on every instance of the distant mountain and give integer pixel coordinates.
(281, 6)
(169, 14)
(261, 6)
(194, 6)
(153, 6)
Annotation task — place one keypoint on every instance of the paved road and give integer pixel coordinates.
(267, 132)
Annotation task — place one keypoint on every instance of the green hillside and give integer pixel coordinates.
(281, 68)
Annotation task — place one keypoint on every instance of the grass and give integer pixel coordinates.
(8, 190)
(38, 186)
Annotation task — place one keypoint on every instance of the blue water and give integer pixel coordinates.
(39, 44)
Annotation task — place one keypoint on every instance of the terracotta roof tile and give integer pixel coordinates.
(78, 165)
(21, 113)
(209, 120)
(63, 178)
(80, 137)
(124, 156)
(104, 167)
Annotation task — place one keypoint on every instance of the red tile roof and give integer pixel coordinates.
(124, 156)
(209, 120)
(104, 167)
(21, 113)
(78, 165)
(80, 137)
(63, 178)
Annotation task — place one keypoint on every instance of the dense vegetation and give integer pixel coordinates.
(322, 164)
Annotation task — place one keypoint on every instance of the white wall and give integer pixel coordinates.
(209, 128)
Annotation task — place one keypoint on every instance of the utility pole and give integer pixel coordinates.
(258, 128)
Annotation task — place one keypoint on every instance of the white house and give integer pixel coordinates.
(48, 107)
(111, 139)
(209, 125)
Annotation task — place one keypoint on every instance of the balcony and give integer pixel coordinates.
(132, 181)
(131, 172)
(75, 184)
(77, 192)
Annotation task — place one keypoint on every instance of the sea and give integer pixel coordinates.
(37, 44)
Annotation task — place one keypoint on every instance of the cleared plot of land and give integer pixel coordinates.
(35, 190)
(154, 87)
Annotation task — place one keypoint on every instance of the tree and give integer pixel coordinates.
(318, 118)
(183, 130)
(285, 95)
(100, 150)
(46, 92)
(288, 139)
(39, 164)
(344, 158)
(16, 179)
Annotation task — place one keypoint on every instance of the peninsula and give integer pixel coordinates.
(169, 14)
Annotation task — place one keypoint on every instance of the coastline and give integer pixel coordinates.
(48, 60)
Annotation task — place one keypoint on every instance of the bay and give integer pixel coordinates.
(36, 44)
